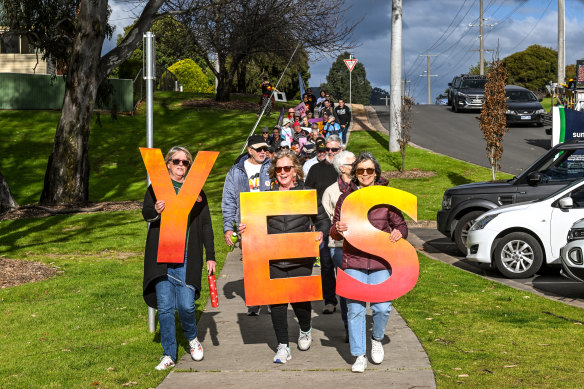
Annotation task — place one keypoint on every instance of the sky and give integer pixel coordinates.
(441, 28)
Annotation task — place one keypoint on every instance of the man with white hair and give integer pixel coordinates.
(321, 176)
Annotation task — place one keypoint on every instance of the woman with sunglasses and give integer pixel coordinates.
(365, 267)
(286, 174)
(176, 286)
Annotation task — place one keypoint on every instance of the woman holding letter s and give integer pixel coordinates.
(365, 267)
(170, 286)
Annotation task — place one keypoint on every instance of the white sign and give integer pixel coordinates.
(280, 96)
(350, 63)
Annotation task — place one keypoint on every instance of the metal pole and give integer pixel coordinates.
(149, 76)
(482, 48)
(561, 43)
(395, 75)
(350, 86)
(429, 86)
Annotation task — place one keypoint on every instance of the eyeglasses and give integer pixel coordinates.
(284, 168)
(184, 162)
(260, 149)
(285, 148)
(360, 171)
(333, 149)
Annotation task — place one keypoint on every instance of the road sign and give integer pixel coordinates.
(350, 63)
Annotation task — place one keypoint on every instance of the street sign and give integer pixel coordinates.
(350, 63)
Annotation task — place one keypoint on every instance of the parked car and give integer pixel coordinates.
(571, 254)
(442, 99)
(468, 92)
(518, 239)
(523, 106)
(462, 204)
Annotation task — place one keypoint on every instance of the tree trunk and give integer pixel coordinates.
(67, 175)
(241, 76)
(6, 199)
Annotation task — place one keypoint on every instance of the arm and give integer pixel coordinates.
(148, 211)
(229, 205)
(327, 201)
(208, 237)
(397, 222)
(334, 233)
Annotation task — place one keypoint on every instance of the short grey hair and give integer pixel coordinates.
(176, 149)
(340, 159)
(335, 138)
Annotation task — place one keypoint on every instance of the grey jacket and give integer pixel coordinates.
(236, 182)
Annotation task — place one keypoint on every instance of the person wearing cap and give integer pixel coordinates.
(248, 174)
(320, 148)
(321, 176)
(286, 129)
(300, 136)
(266, 135)
(284, 145)
(331, 127)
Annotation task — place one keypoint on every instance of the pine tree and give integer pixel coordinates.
(338, 81)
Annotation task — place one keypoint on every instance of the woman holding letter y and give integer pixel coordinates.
(170, 286)
(365, 267)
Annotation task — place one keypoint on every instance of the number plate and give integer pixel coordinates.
(525, 117)
(477, 101)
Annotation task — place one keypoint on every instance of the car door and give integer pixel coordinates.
(562, 219)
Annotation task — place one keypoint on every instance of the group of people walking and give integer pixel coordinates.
(271, 164)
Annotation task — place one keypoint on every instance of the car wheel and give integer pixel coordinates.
(518, 255)
(462, 227)
(454, 107)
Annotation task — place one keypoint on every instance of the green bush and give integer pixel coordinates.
(191, 76)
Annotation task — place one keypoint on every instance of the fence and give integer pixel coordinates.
(42, 91)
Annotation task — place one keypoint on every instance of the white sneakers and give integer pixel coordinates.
(377, 352)
(283, 354)
(196, 349)
(165, 363)
(304, 340)
(360, 364)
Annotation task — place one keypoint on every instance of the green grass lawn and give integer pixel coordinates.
(88, 326)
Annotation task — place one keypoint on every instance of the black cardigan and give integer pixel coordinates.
(200, 235)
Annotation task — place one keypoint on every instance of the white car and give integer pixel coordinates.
(572, 253)
(518, 238)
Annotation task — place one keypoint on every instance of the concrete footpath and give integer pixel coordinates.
(239, 349)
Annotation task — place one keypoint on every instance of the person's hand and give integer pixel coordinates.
(319, 236)
(395, 235)
(228, 238)
(241, 228)
(341, 227)
(159, 206)
(211, 267)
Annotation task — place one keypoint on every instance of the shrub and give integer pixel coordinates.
(191, 76)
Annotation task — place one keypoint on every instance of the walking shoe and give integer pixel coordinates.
(253, 311)
(283, 354)
(196, 349)
(377, 352)
(360, 364)
(165, 363)
(328, 309)
(304, 340)
(317, 262)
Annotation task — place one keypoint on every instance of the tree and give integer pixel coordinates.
(378, 96)
(337, 81)
(492, 119)
(191, 76)
(532, 68)
(406, 125)
(233, 32)
(73, 33)
(7, 201)
(476, 69)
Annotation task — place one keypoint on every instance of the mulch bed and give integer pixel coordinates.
(414, 173)
(14, 272)
(37, 211)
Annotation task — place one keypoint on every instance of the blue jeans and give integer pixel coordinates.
(337, 257)
(357, 311)
(173, 293)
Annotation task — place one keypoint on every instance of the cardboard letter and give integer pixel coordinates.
(175, 217)
(401, 255)
(258, 248)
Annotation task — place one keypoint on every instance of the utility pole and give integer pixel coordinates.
(561, 43)
(404, 82)
(395, 75)
(482, 40)
(428, 74)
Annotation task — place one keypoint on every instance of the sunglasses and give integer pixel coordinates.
(333, 149)
(260, 149)
(184, 162)
(360, 171)
(284, 148)
(284, 168)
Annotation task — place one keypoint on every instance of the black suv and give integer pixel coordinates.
(468, 92)
(452, 89)
(462, 204)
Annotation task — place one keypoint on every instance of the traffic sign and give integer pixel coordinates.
(350, 63)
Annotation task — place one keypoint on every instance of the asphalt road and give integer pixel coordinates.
(458, 135)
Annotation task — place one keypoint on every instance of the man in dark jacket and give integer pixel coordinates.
(321, 176)
(343, 114)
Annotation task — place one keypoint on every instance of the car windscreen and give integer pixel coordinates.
(520, 96)
(473, 84)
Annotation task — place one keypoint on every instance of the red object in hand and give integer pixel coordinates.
(213, 291)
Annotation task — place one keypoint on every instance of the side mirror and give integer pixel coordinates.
(566, 203)
(534, 178)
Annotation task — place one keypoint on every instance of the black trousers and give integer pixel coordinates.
(303, 310)
(327, 273)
